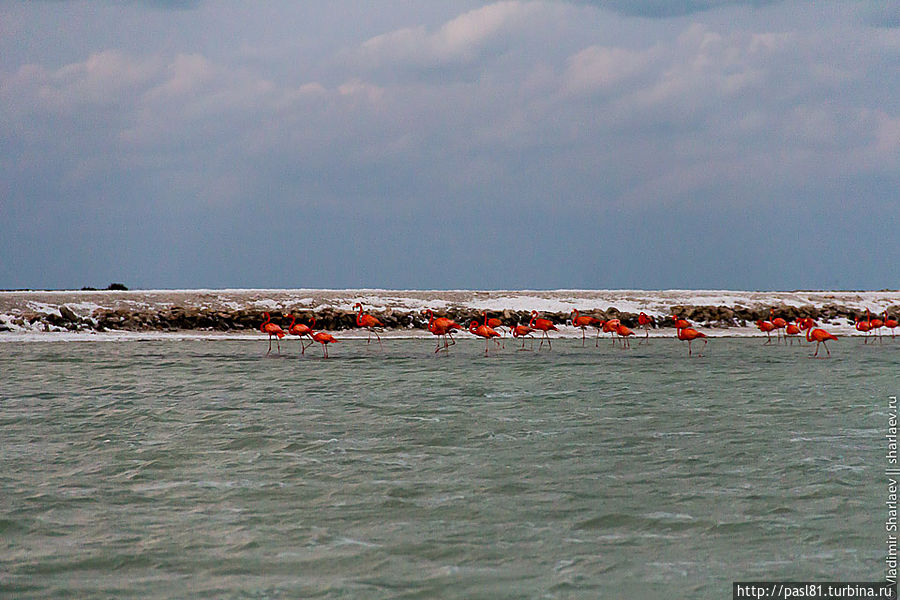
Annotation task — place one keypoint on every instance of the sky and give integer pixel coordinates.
(416, 144)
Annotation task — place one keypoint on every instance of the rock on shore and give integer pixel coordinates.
(243, 310)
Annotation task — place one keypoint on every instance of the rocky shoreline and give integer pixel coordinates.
(174, 318)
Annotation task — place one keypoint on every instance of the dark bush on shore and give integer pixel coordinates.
(113, 287)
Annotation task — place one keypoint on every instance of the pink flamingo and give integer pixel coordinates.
(483, 331)
(819, 336)
(890, 323)
(299, 329)
(497, 325)
(585, 321)
(623, 332)
(523, 331)
(778, 322)
(610, 327)
(645, 321)
(370, 323)
(273, 330)
(876, 324)
(767, 327)
(443, 328)
(542, 325)
(690, 334)
(793, 331)
(680, 323)
(864, 327)
(324, 339)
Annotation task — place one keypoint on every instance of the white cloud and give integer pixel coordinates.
(460, 40)
(601, 68)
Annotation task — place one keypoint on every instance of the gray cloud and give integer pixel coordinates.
(450, 149)
(660, 9)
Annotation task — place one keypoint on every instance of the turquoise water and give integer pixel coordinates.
(173, 469)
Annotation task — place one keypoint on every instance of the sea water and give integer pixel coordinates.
(205, 468)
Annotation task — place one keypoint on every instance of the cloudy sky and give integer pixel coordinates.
(742, 144)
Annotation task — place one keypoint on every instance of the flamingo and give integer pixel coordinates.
(778, 322)
(324, 339)
(792, 330)
(767, 327)
(442, 327)
(690, 334)
(585, 321)
(610, 327)
(523, 331)
(819, 336)
(679, 322)
(299, 329)
(865, 327)
(544, 325)
(875, 324)
(623, 332)
(272, 329)
(370, 323)
(483, 331)
(495, 324)
(890, 323)
(645, 321)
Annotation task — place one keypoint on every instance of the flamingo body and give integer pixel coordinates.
(542, 325)
(585, 321)
(820, 336)
(369, 322)
(272, 329)
(483, 330)
(690, 334)
(324, 339)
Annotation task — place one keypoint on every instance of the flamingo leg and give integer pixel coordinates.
(377, 337)
(270, 345)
